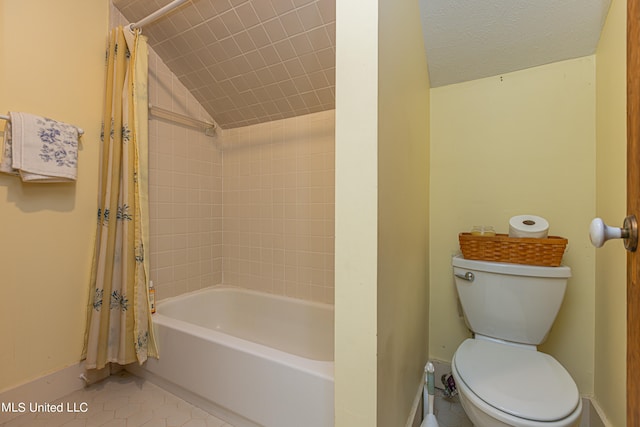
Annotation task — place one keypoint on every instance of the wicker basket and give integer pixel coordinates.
(502, 248)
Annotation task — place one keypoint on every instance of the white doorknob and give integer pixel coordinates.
(599, 233)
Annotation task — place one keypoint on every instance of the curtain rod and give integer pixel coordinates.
(157, 14)
(208, 128)
(8, 118)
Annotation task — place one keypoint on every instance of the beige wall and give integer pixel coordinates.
(523, 142)
(403, 210)
(278, 197)
(382, 145)
(610, 291)
(356, 215)
(52, 65)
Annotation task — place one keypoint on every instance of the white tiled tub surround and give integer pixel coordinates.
(185, 189)
(258, 214)
(278, 192)
(185, 192)
(259, 197)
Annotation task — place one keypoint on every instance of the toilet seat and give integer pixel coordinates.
(520, 382)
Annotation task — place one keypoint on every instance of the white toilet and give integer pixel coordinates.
(502, 379)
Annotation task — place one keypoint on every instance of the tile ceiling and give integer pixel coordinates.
(247, 61)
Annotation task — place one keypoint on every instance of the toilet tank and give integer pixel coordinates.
(511, 302)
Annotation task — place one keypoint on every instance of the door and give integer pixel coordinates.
(633, 207)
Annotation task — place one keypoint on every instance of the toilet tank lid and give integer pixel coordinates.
(522, 382)
(513, 269)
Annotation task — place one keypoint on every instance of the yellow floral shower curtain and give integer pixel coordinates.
(119, 328)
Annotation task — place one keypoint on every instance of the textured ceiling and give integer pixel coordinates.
(467, 40)
(247, 61)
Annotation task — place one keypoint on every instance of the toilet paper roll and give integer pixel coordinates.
(528, 226)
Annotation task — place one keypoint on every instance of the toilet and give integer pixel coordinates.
(501, 377)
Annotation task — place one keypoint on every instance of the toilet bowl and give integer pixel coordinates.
(502, 379)
(504, 385)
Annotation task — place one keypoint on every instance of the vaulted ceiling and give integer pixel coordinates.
(251, 61)
(247, 62)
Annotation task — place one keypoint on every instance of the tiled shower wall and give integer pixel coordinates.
(252, 207)
(185, 189)
(278, 192)
(185, 192)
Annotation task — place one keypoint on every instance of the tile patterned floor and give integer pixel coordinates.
(449, 412)
(124, 400)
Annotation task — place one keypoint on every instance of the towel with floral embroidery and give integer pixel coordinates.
(40, 149)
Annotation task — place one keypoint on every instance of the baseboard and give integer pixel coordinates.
(415, 416)
(593, 414)
(48, 388)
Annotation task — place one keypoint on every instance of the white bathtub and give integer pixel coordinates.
(250, 358)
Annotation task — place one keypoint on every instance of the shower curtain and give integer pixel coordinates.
(119, 328)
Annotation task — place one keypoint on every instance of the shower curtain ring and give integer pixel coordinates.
(133, 30)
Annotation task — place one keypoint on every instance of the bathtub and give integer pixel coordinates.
(250, 358)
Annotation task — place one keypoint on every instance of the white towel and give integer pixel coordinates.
(40, 149)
